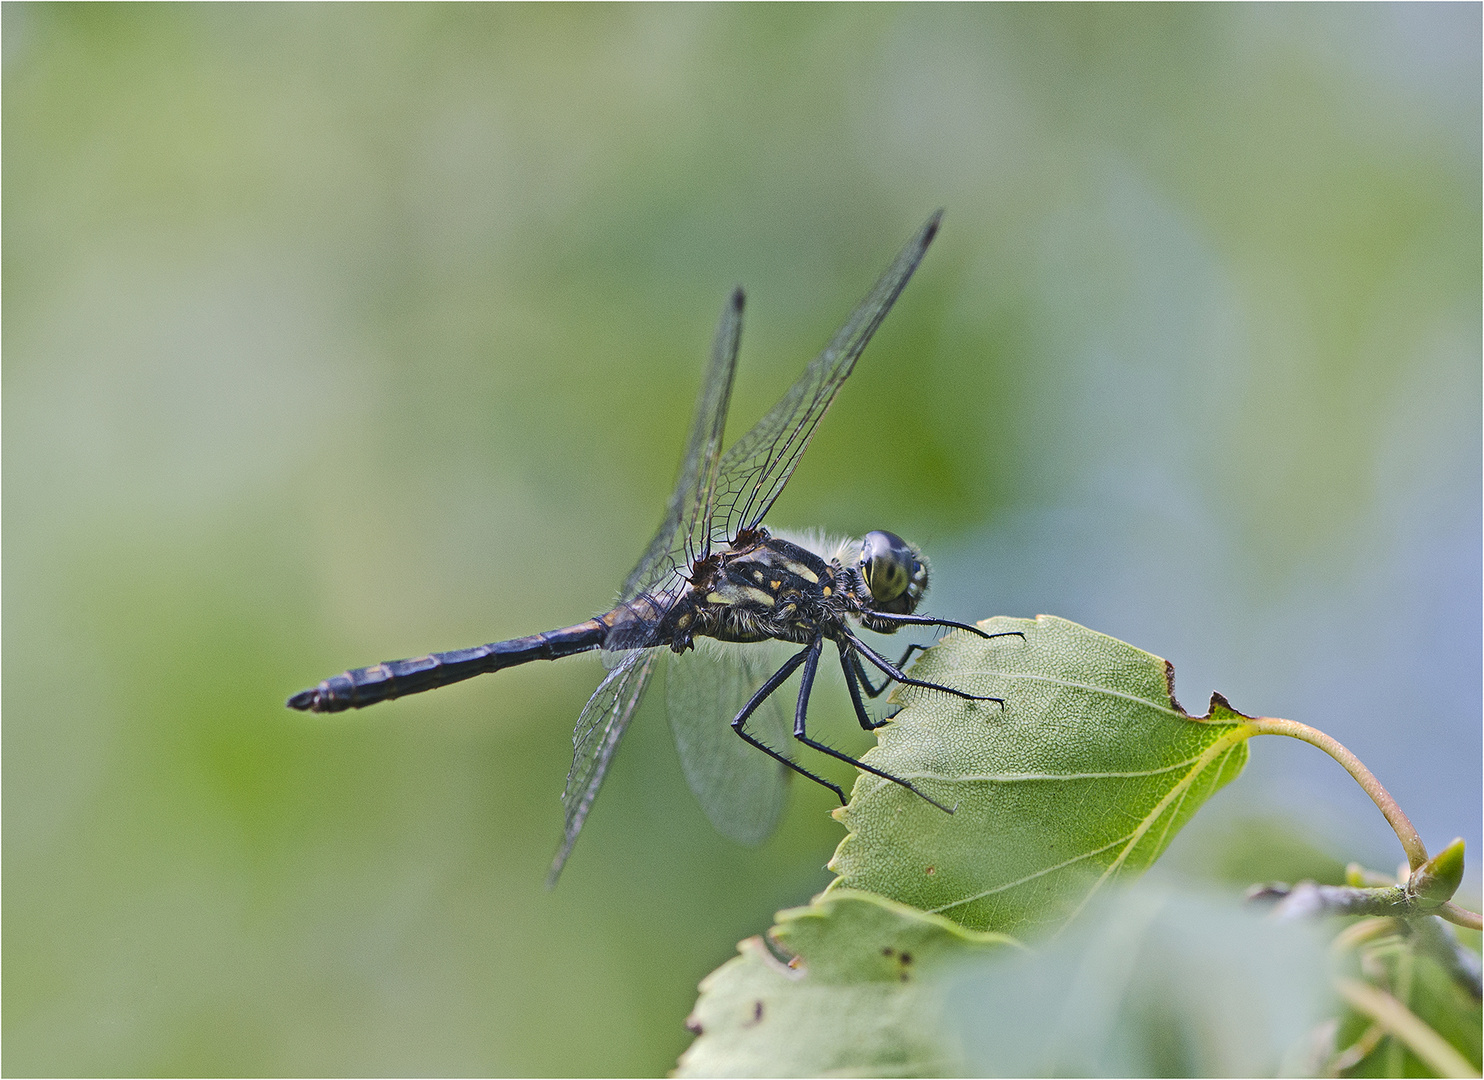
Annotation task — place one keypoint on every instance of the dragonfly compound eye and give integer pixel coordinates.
(894, 572)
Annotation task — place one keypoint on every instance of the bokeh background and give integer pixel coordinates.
(335, 334)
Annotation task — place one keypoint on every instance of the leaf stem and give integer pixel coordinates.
(1405, 831)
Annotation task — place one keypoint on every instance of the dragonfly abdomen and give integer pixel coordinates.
(396, 678)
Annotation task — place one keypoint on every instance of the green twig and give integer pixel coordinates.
(1308, 899)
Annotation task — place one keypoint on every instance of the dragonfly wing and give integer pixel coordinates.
(657, 576)
(758, 465)
(602, 723)
(689, 509)
(741, 789)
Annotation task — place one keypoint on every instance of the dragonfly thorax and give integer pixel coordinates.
(764, 587)
(756, 588)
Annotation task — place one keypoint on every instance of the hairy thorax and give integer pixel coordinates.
(759, 587)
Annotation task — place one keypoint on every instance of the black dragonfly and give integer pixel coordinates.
(718, 585)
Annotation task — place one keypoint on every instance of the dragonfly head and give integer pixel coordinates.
(894, 571)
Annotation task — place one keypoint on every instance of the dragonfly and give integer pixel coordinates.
(712, 592)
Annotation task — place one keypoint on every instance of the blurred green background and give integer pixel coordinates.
(336, 333)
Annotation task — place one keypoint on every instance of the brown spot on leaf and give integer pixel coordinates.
(757, 1014)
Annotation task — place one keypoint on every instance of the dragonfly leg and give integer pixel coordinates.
(854, 676)
(806, 684)
(927, 620)
(777, 679)
(896, 673)
(877, 691)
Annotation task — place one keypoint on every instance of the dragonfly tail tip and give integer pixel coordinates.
(931, 229)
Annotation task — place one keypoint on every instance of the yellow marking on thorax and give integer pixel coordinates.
(758, 594)
(802, 571)
(731, 594)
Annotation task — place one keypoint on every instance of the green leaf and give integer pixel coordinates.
(859, 994)
(1085, 775)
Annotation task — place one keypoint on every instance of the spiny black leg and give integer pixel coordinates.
(896, 673)
(851, 665)
(926, 620)
(877, 691)
(907, 653)
(806, 684)
(873, 691)
(919, 620)
(776, 680)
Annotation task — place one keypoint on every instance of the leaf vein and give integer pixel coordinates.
(1070, 685)
(1213, 753)
(1008, 778)
(1029, 877)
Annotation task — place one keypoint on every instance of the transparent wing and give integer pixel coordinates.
(716, 497)
(756, 468)
(607, 713)
(741, 789)
(602, 723)
(691, 503)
